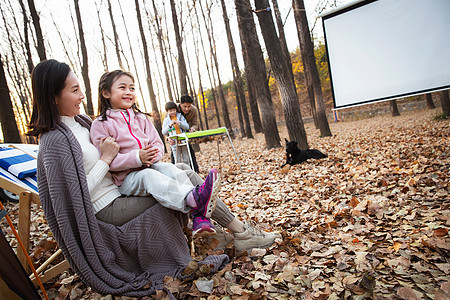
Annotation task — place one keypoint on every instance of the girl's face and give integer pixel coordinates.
(70, 98)
(122, 94)
(172, 112)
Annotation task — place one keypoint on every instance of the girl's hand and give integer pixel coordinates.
(108, 149)
(148, 155)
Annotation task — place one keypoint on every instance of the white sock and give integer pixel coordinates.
(190, 200)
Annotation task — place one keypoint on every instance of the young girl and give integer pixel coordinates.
(137, 168)
(175, 123)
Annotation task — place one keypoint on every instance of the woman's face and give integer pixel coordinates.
(122, 94)
(70, 98)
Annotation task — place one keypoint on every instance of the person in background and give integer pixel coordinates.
(190, 113)
(174, 123)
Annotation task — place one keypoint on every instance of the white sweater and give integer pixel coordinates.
(101, 187)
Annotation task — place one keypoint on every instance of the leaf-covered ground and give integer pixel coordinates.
(369, 222)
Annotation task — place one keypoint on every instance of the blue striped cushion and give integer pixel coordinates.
(17, 162)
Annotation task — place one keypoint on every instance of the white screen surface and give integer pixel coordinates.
(387, 49)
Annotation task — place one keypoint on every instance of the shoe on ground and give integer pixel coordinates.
(206, 195)
(253, 237)
(223, 237)
(201, 226)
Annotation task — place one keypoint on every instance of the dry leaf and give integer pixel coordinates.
(408, 293)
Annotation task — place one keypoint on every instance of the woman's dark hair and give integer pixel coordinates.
(105, 84)
(48, 79)
(171, 105)
(186, 99)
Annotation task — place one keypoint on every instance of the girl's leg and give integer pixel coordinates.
(169, 192)
(222, 213)
(173, 172)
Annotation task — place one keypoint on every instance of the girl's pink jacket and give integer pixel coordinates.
(132, 132)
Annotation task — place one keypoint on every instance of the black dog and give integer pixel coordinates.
(296, 156)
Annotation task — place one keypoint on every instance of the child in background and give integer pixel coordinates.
(137, 168)
(174, 123)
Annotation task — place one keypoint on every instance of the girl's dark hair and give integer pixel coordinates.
(171, 105)
(105, 84)
(47, 81)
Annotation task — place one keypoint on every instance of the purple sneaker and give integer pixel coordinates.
(201, 225)
(206, 195)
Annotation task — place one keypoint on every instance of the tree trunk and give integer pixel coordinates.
(192, 92)
(212, 46)
(200, 81)
(27, 41)
(182, 72)
(282, 37)
(283, 75)
(155, 111)
(116, 36)
(307, 50)
(445, 102)
(209, 72)
(244, 120)
(308, 81)
(102, 32)
(252, 97)
(257, 71)
(161, 49)
(85, 67)
(14, 67)
(429, 99)
(394, 107)
(132, 56)
(37, 27)
(7, 120)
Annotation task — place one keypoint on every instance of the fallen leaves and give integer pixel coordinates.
(369, 222)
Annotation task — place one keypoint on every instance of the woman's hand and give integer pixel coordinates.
(148, 155)
(109, 149)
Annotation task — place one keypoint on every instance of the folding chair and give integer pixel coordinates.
(26, 188)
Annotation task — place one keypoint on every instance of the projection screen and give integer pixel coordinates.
(387, 49)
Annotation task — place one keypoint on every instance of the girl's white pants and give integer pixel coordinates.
(168, 184)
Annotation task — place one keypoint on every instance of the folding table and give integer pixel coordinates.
(183, 139)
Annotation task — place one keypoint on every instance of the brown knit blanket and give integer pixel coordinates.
(129, 260)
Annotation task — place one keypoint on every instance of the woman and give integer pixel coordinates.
(108, 240)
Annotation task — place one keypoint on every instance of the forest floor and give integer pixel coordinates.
(370, 221)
